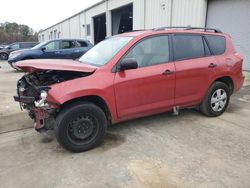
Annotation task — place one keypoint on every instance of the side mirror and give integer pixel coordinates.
(43, 48)
(128, 63)
(9, 48)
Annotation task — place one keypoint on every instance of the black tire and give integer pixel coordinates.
(4, 56)
(211, 102)
(81, 127)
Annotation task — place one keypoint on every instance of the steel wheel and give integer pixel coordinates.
(80, 126)
(218, 100)
(82, 129)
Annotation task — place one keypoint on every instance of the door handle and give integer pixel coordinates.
(212, 65)
(57, 52)
(168, 72)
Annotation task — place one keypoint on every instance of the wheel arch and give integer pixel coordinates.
(97, 100)
(5, 54)
(228, 81)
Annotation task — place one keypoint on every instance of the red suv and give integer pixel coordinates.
(128, 76)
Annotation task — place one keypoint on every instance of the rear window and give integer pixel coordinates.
(81, 44)
(27, 45)
(188, 47)
(217, 44)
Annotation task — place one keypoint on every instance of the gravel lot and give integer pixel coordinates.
(189, 150)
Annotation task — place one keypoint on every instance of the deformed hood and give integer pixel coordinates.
(37, 65)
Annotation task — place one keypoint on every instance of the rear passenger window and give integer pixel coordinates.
(68, 44)
(217, 44)
(188, 46)
(81, 44)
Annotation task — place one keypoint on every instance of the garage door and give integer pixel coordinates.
(232, 17)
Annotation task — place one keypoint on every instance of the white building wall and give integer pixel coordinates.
(157, 13)
(65, 29)
(189, 12)
(74, 27)
(95, 11)
(82, 25)
(138, 14)
(147, 14)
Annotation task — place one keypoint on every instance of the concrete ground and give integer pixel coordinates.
(189, 150)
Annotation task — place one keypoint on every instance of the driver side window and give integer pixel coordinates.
(151, 51)
(54, 45)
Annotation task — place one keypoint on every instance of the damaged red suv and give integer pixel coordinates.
(128, 76)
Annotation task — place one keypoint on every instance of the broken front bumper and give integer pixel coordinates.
(24, 99)
(44, 117)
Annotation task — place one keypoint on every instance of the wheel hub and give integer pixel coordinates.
(83, 128)
(3, 56)
(218, 100)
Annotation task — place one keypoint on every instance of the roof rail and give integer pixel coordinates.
(188, 28)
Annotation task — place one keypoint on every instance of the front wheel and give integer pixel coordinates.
(81, 127)
(216, 100)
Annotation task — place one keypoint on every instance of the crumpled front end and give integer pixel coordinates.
(32, 94)
(33, 98)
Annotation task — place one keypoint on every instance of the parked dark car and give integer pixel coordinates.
(53, 49)
(6, 50)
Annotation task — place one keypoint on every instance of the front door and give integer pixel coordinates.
(52, 50)
(150, 88)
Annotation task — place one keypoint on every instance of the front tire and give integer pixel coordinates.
(3, 56)
(81, 127)
(216, 100)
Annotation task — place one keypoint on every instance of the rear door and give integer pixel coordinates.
(149, 88)
(68, 49)
(81, 48)
(195, 67)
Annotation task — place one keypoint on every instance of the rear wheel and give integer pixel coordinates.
(3, 56)
(81, 127)
(216, 100)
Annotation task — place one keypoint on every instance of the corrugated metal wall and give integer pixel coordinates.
(233, 17)
(146, 14)
(157, 13)
(189, 12)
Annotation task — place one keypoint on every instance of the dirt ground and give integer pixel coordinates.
(189, 150)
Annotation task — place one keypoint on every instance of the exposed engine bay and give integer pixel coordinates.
(32, 92)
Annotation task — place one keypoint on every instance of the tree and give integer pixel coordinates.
(13, 32)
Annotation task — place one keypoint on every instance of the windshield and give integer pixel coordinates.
(39, 45)
(100, 54)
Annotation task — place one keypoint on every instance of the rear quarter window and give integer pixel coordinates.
(217, 44)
